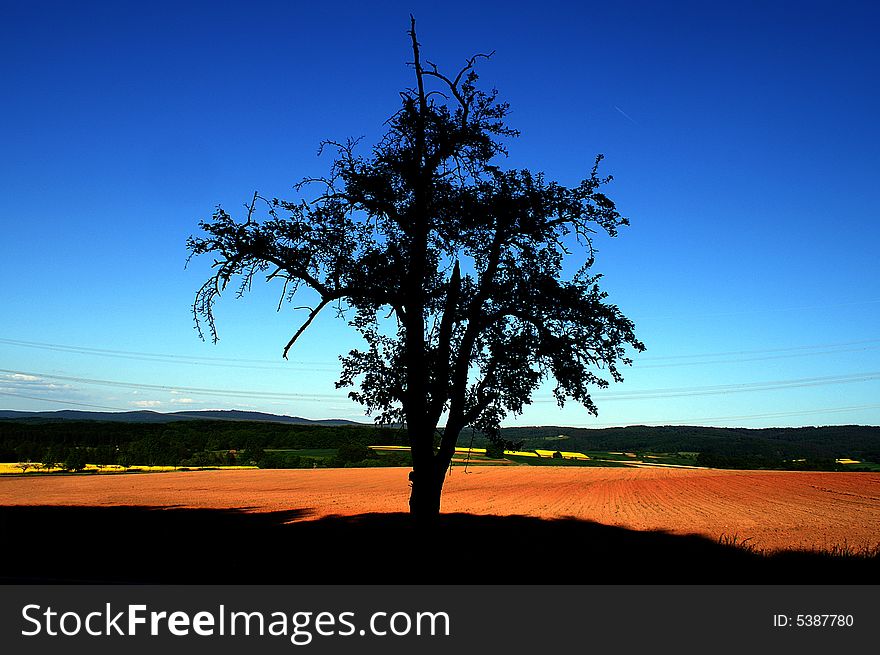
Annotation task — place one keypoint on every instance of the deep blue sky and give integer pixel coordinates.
(743, 140)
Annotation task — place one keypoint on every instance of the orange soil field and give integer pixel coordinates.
(774, 510)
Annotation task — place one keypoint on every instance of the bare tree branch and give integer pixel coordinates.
(303, 327)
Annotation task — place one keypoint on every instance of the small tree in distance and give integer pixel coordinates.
(466, 257)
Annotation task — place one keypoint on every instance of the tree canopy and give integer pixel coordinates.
(448, 265)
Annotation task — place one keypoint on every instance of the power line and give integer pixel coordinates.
(643, 394)
(722, 389)
(761, 351)
(717, 389)
(267, 395)
(62, 402)
(328, 366)
(638, 365)
(773, 310)
(167, 358)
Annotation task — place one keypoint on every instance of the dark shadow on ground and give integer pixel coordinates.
(192, 546)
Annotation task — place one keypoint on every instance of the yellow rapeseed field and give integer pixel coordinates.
(565, 454)
(521, 453)
(482, 451)
(7, 468)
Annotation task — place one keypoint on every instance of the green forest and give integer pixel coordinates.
(73, 443)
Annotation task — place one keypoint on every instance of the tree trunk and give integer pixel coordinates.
(429, 474)
(424, 499)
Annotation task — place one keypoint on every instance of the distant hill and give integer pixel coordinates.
(146, 416)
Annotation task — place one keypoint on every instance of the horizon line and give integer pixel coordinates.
(649, 424)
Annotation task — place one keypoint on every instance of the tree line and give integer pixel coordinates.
(269, 445)
(189, 443)
(718, 447)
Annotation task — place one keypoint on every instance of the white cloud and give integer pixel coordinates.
(21, 377)
(22, 382)
(182, 401)
(146, 403)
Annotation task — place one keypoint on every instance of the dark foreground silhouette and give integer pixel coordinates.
(190, 546)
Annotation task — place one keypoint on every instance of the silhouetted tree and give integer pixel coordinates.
(52, 457)
(75, 460)
(353, 452)
(495, 450)
(466, 257)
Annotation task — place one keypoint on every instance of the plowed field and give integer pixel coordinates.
(774, 510)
